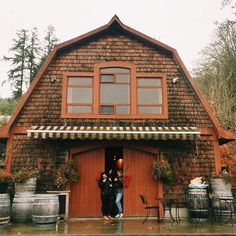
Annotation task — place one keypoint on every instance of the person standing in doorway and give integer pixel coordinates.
(118, 184)
(105, 186)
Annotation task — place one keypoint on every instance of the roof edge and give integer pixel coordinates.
(227, 134)
(197, 91)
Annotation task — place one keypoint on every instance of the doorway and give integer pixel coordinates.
(113, 159)
(114, 163)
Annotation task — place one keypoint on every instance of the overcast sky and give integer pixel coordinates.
(186, 25)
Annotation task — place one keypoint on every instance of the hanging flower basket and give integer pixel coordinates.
(161, 170)
(66, 173)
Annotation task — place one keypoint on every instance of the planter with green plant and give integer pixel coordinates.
(5, 180)
(26, 180)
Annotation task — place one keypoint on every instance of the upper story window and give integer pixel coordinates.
(114, 90)
(80, 94)
(149, 95)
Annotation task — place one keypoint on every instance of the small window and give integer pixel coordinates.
(80, 81)
(107, 78)
(80, 109)
(149, 96)
(149, 110)
(149, 82)
(115, 70)
(107, 109)
(79, 95)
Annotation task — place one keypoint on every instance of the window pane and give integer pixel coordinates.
(150, 110)
(107, 109)
(122, 78)
(149, 96)
(79, 109)
(149, 82)
(115, 70)
(80, 81)
(122, 110)
(79, 95)
(107, 78)
(114, 93)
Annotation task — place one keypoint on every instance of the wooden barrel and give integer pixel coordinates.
(221, 188)
(22, 207)
(198, 205)
(5, 209)
(27, 187)
(222, 200)
(45, 209)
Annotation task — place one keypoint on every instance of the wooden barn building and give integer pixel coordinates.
(115, 96)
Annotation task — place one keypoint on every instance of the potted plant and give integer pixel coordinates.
(161, 170)
(65, 174)
(5, 180)
(26, 179)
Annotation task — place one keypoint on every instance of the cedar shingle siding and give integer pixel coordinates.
(183, 105)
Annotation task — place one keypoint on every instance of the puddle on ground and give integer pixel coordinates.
(119, 227)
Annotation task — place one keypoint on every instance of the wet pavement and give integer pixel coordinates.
(118, 227)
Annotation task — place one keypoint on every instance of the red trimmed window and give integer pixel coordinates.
(114, 90)
(150, 95)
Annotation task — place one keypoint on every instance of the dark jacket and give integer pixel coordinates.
(118, 184)
(106, 187)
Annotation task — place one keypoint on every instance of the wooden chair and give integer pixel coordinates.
(148, 207)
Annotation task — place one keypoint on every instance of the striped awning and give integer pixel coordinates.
(114, 132)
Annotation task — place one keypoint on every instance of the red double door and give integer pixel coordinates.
(85, 198)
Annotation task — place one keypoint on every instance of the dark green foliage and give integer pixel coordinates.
(17, 74)
(50, 40)
(33, 55)
(27, 56)
(7, 106)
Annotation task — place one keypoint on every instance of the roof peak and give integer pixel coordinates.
(115, 21)
(115, 18)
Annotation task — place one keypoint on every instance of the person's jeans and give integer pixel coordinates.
(118, 201)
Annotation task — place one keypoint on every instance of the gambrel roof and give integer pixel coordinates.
(115, 23)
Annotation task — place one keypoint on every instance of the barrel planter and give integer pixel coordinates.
(222, 200)
(5, 209)
(22, 207)
(221, 188)
(29, 186)
(198, 205)
(45, 209)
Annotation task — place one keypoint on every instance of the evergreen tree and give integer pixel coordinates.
(50, 41)
(18, 73)
(27, 57)
(33, 56)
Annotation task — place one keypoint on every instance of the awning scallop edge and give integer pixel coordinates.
(114, 132)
